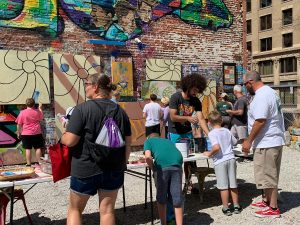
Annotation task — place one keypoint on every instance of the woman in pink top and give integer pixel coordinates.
(29, 129)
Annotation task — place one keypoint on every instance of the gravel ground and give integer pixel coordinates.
(47, 202)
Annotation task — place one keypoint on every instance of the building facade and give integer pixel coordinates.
(273, 44)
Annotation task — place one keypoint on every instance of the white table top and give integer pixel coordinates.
(192, 157)
(39, 177)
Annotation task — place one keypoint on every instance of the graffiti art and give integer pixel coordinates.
(118, 20)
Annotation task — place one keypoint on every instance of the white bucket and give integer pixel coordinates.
(183, 148)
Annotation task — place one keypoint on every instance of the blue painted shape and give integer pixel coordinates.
(104, 42)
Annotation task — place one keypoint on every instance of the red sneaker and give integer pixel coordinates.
(269, 212)
(261, 204)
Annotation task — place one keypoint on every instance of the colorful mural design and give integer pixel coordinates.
(122, 75)
(188, 69)
(163, 69)
(134, 111)
(160, 88)
(208, 98)
(27, 73)
(69, 74)
(118, 20)
(38, 15)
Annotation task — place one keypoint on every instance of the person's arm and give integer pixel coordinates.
(144, 115)
(69, 139)
(202, 122)
(238, 112)
(176, 118)
(149, 159)
(256, 128)
(19, 130)
(215, 149)
(128, 146)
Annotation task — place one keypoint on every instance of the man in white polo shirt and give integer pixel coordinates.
(266, 135)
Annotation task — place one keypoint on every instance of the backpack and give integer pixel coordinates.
(108, 150)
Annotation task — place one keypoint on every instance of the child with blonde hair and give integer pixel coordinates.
(222, 143)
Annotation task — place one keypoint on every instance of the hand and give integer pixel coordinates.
(246, 146)
(193, 119)
(207, 154)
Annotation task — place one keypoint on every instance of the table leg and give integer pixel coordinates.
(124, 203)
(146, 189)
(11, 217)
(151, 197)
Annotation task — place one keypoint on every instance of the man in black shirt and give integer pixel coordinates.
(182, 106)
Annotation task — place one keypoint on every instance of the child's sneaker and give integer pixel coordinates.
(261, 204)
(227, 212)
(237, 209)
(269, 212)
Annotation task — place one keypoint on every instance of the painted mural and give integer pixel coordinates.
(69, 73)
(188, 69)
(118, 20)
(160, 88)
(209, 98)
(122, 75)
(40, 15)
(27, 73)
(134, 111)
(163, 69)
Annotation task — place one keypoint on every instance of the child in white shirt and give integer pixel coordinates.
(224, 162)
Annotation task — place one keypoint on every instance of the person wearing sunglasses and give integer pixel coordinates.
(266, 136)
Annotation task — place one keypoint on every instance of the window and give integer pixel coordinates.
(248, 5)
(287, 40)
(287, 94)
(249, 29)
(266, 44)
(249, 46)
(288, 65)
(266, 22)
(265, 67)
(287, 16)
(265, 3)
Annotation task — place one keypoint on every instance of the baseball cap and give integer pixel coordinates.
(223, 95)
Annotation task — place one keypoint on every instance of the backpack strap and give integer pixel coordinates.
(114, 111)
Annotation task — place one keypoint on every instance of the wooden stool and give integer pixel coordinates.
(200, 173)
(4, 199)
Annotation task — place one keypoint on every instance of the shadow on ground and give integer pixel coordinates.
(136, 214)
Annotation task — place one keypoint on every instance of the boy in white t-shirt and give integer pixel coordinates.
(224, 161)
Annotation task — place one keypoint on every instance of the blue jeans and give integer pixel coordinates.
(106, 181)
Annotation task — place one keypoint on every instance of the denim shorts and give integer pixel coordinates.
(168, 185)
(106, 181)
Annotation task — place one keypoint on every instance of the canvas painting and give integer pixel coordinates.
(70, 73)
(122, 75)
(208, 98)
(163, 69)
(24, 74)
(160, 88)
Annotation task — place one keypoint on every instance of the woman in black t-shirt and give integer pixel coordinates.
(88, 176)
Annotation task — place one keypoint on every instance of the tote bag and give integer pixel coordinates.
(61, 161)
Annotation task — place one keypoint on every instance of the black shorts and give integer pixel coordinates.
(153, 129)
(32, 141)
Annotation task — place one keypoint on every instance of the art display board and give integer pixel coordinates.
(163, 69)
(24, 74)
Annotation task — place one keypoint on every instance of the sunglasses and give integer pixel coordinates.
(247, 82)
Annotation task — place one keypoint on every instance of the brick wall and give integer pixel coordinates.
(169, 37)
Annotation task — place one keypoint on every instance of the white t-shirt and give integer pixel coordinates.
(153, 111)
(224, 138)
(266, 105)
